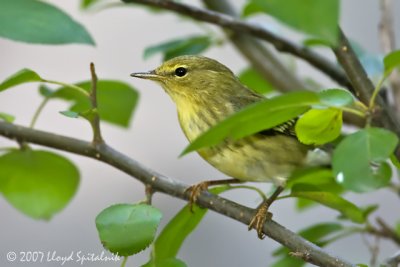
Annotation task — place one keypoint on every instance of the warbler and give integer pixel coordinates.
(206, 92)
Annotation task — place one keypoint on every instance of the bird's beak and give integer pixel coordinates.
(150, 75)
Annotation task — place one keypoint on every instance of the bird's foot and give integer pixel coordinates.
(259, 219)
(195, 190)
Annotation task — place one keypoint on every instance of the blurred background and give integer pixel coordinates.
(154, 138)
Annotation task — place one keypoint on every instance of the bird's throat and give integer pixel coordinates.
(195, 120)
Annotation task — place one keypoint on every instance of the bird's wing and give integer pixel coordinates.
(286, 128)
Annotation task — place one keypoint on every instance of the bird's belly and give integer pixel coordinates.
(258, 159)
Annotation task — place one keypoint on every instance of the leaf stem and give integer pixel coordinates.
(261, 193)
(345, 233)
(354, 111)
(376, 91)
(361, 105)
(72, 86)
(38, 111)
(124, 261)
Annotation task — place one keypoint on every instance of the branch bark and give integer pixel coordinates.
(237, 25)
(161, 183)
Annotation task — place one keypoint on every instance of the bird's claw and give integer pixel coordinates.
(259, 219)
(195, 190)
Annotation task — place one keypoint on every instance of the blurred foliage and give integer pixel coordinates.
(37, 183)
(319, 18)
(191, 45)
(252, 79)
(38, 22)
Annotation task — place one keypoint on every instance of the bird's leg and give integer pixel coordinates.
(262, 214)
(196, 189)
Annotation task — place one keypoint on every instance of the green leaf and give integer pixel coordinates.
(336, 97)
(397, 228)
(35, 21)
(303, 204)
(45, 91)
(178, 229)
(315, 17)
(116, 100)
(391, 61)
(395, 161)
(70, 114)
(320, 178)
(6, 117)
(252, 79)
(359, 160)
(38, 183)
(256, 117)
(192, 45)
(346, 208)
(85, 4)
(22, 76)
(127, 229)
(318, 232)
(288, 261)
(368, 210)
(316, 42)
(170, 262)
(319, 126)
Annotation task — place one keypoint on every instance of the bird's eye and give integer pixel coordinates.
(180, 72)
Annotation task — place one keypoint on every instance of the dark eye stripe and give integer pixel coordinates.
(180, 72)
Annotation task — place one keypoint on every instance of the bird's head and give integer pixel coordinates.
(193, 78)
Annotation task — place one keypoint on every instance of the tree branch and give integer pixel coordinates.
(260, 57)
(160, 183)
(264, 61)
(394, 260)
(363, 86)
(386, 31)
(388, 44)
(237, 25)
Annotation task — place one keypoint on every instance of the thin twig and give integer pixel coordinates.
(172, 187)
(386, 30)
(258, 31)
(389, 231)
(373, 249)
(393, 261)
(95, 119)
(384, 231)
(148, 190)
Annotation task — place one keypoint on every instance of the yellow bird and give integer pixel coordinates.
(206, 92)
